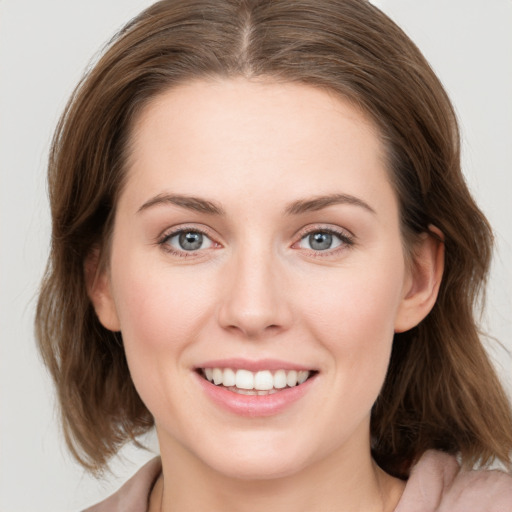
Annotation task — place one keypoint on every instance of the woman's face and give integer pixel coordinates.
(257, 242)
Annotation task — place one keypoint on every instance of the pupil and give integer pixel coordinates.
(320, 241)
(190, 241)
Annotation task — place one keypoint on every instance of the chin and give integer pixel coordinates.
(258, 461)
(250, 469)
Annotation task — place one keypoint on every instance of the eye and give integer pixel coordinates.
(187, 240)
(323, 240)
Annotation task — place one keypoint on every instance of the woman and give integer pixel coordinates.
(263, 246)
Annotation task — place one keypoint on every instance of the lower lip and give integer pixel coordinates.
(254, 405)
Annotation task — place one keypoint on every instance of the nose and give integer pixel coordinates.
(254, 301)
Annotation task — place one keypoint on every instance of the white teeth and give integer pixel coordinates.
(263, 381)
(280, 379)
(252, 383)
(302, 376)
(217, 376)
(229, 378)
(291, 378)
(244, 379)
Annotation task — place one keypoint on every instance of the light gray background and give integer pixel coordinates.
(44, 47)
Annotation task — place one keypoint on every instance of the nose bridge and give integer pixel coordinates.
(253, 300)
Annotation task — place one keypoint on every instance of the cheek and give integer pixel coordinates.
(158, 309)
(355, 301)
(157, 306)
(158, 314)
(353, 316)
(355, 324)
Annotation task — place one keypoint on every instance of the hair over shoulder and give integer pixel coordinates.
(441, 391)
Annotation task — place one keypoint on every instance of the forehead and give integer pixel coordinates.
(239, 135)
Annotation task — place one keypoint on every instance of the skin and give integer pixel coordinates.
(257, 289)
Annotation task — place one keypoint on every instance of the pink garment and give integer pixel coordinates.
(133, 496)
(436, 484)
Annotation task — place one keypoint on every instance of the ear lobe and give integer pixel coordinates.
(97, 281)
(424, 279)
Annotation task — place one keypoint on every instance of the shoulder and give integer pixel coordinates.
(133, 496)
(438, 484)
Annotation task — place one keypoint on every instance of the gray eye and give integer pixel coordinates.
(190, 240)
(320, 241)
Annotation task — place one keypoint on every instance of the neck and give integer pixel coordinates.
(347, 480)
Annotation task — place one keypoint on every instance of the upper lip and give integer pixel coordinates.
(254, 365)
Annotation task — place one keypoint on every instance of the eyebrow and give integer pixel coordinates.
(296, 208)
(189, 202)
(321, 202)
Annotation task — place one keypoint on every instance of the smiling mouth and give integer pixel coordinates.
(264, 382)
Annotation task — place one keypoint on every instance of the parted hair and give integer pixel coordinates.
(441, 391)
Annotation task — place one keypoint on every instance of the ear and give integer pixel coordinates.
(422, 281)
(97, 280)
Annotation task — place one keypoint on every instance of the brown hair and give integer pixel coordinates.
(441, 391)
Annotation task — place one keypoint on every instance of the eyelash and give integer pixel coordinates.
(164, 239)
(347, 241)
